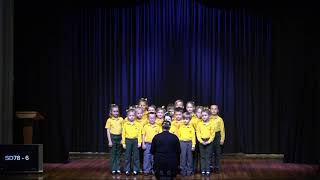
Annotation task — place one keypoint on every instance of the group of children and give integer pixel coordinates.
(200, 131)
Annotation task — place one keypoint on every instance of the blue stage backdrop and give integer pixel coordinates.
(88, 58)
(169, 49)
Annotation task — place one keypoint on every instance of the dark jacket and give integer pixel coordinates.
(166, 150)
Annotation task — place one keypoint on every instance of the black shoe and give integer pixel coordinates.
(118, 172)
(211, 167)
(127, 173)
(135, 172)
(113, 172)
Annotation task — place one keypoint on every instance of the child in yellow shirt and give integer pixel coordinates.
(187, 139)
(173, 129)
(114, 130)
(131, 141)
(170, 109)
(218, 141)
(143, 103)
(160, 115)
(177, 121)
(179, 104)
(142, 120)
(149, 131)
(205, 136)
(152, 108)
(190, 107)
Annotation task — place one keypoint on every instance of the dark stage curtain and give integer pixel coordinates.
(43, 76)
(296, 75)
(6, 72)
(164, 50)
(82, 59)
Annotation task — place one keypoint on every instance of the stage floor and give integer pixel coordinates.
(233, 167)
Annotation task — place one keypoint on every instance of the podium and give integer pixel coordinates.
(28, 118)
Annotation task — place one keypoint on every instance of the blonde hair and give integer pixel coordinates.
(143, 100)
(199, 107)
(152, 106)
(187, 115)
(111, 107)
(178, 100)
(138, 108)
(206, 110)
(131, 109)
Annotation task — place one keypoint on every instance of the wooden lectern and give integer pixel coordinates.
(28, 117)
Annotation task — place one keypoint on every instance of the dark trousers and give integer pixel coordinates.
(216, 149)
(196, 157)
(148, 159)
(115, 152)
(141, 156)
(132, 155)
(205, 156)
(186, 158)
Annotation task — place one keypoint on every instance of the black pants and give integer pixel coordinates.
(216, 149)
(205, 156)
(196, 157)
(165, 174)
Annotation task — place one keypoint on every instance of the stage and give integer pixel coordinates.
(234, 166)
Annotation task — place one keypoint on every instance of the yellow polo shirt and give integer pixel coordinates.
(187, 133)
(205, 130)
(145, 115)
(173, 130)
(149, 131)
(218, 124)
(194, 121)
(141, 121)
(114, 125)
(131, 130)
(176, 123)
(159, 121)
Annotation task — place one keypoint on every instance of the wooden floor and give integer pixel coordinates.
(233, 167)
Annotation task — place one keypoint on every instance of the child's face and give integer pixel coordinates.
(167, 118)
(179, 104)
(160, 114)
(186, 121)
(115, 112)
(171, 111)
(199, 113)
(152, 118)
(214, 109)
(143, 105)
(178, 115)
(139, 113)
(151, 109)
(190, 108)
(131, 116)
(205, 116)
